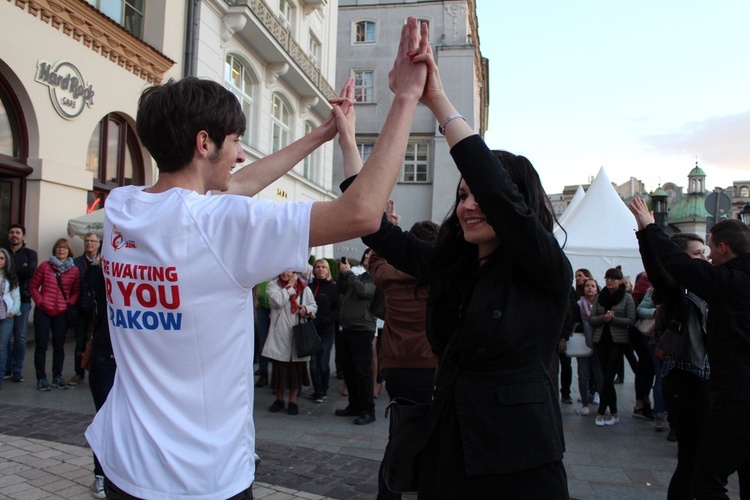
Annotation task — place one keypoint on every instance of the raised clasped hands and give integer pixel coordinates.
(342, 115)
(643, 216)
(407, 78)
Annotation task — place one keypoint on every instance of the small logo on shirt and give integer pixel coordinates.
(118, 241)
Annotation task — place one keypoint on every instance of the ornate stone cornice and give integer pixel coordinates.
(85, 24)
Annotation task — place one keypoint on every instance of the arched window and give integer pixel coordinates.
(310, 163)
(364, 32)
(14, 150)
(113, 157)
(242, 83)
(281, 124)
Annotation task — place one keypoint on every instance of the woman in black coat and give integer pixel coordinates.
(498, 294)
(328, 299)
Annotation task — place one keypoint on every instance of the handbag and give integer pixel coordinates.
(306, 339)
(71, 311)
(576, 346)
(647, 326)
(410, 428)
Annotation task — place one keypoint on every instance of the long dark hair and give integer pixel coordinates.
(454, 257)
(10, 271)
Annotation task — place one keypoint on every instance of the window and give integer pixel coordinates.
(415, 163)
(364, 32)
(310, 163)
(129, 13)
(113, 157)
(280, 124)
(363, 85)
(365, 150)
(14, 151)
(744, 192)
(314, 50)
(286, 13)
(241, 82)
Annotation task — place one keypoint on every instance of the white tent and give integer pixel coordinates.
(601, 232)
(91, 222)
(572, 206)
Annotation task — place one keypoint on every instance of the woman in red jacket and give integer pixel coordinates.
(54, 284)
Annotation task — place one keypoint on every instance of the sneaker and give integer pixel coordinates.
(17, 377)
(612, 421)
(595, 399)
(566, 400)
(599, 421)
(77, 379)
(43, 385)
(659, 424)
(277, 406)
(293, 409)
(645, 413)
(318, 398)
(59, 383)
(97, 489)
(7, 375)
(585, 411)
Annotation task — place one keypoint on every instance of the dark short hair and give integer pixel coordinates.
(364, 254)
(425, 230)
(682, 240)
(19, 226)
(614, 273)
(171, 115)
(734, 233)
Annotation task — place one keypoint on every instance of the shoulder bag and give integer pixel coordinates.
(71, 312)
(305, 337)
(647, 326)
(576, 346)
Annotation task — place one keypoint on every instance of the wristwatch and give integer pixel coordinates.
(441, 127)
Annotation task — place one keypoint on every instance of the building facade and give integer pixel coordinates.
(369, 34)
(69, 91)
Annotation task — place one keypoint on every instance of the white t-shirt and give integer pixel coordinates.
(179, 270)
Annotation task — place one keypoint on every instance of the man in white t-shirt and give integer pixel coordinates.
(180, 265)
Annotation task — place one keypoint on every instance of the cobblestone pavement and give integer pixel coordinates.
(314, 455)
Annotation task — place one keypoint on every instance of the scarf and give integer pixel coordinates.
(608, 299)
(301, 285)
(61, 266)
(585, 307)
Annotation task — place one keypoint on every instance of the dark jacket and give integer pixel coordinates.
(355, 308)
(684, 313)
(328, 299)
(25, 261)
(726, 289)
(494, 378)
(102, 344)
(85, 301)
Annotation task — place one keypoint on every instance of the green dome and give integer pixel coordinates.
(659, 192)
(690, 208)
(697, 171)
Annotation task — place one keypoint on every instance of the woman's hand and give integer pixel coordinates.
(292, 281)
(433, 91)
(407, 78)
(344, 103)
(643, 216)
(608, 316)
(302, 311)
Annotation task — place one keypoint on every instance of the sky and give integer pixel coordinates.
(642, 88)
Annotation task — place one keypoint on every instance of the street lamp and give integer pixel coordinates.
(744, 214)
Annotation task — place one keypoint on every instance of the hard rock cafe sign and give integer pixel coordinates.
(67, 90)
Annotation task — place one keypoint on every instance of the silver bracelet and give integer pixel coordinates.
(441, 128)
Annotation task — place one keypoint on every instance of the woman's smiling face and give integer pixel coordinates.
(474, 224)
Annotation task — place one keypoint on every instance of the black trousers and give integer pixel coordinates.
(608, 352)
(410, 383)
(724, 449)
(115, 493)
(689, 401)
(354, 348)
